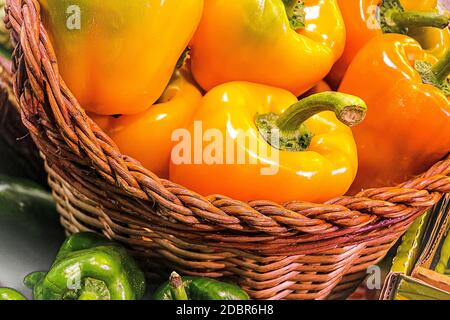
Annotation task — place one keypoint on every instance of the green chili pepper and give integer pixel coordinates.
(10, 294)
(89, 267)
(190, 288)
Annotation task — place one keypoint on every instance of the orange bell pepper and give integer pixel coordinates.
(251, 141)
(365, 19)
(147, 136)
(289, 44)
(407, 128)
(117, 56)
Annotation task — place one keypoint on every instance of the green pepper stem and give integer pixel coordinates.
(289, 133)
(295, 12)
(290, 6)
(395, 19)
(442, 68)
(349, 109)
(408, 19)
(177, 287)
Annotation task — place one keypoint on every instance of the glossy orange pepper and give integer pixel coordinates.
(232, 148)
(321, 86)
(272, 42)
(407, 128)
(363, 22)
(117, 56)
(147, 136)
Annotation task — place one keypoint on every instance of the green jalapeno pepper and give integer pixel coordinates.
(191, 288)
(89, 267)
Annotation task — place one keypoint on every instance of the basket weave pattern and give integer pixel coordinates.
(292, 251)
(13, 135)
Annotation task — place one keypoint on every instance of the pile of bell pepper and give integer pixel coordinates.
(178, 84)
(88, 266)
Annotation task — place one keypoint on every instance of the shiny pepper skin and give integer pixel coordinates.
(407, 128)
(8, 294)
(89, 267)
(147, 136)
(121, 56)
(362, 24)
(321, 86)
(252, 40)
(223, 151)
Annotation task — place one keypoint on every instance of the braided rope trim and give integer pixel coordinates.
(62, 129)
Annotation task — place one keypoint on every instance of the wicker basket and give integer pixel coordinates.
(14, 137)
(292, 251)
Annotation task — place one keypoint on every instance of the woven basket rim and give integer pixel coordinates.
(54, 117)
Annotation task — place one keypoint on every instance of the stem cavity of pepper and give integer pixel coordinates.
(294, 140)
(94, 289)
(436, 75)
(295, 10)
(394, 18)
(288, 131)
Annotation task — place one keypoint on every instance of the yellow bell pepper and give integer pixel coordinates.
(434, 41)
(419, 5)
(147, 136)
(118, 56)
(251, 142)
(289, 44)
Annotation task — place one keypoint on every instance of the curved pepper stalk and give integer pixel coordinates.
(89, 267)
(395, 19)
(293, 133)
